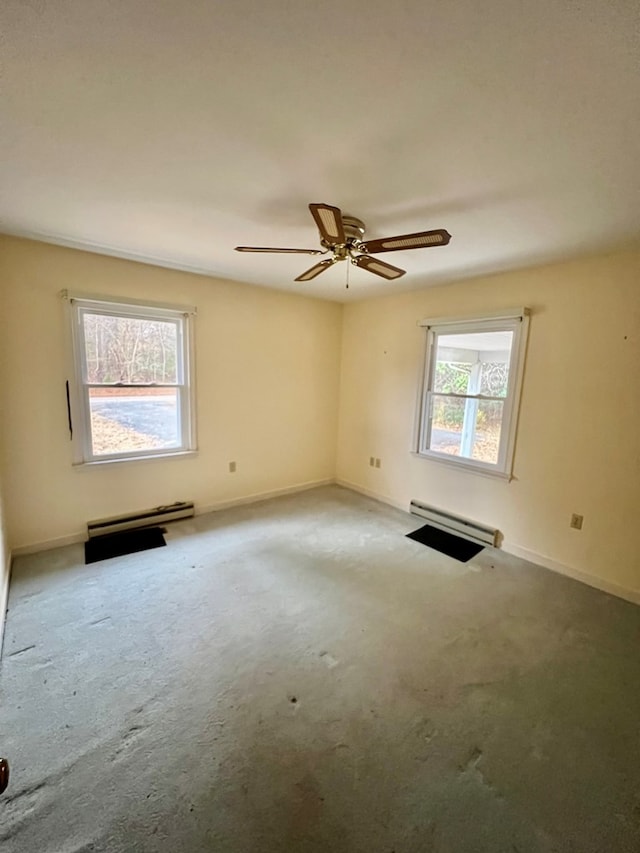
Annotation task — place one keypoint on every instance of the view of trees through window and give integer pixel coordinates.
(130, 351)
(462, 426)
(452, 378)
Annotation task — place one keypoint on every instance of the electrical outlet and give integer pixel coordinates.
(232, 467)
(372, 461)
(576, 521)
(377, 463)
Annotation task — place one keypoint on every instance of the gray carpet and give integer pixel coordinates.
(298, 676)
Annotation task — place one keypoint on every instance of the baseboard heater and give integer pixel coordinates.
(455, 524)
(144, 518)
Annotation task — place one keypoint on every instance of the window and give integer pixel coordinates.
(133, 380)
(470, 391)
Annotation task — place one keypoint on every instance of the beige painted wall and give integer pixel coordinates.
(5, 554)
(578, 446)
(267, 383)
(268, 368)
(5, 563)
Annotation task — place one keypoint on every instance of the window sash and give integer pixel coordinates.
(134, 384)
(162, 316)
(518, 325)
(183, 445)
(184, 386)
(466, 396)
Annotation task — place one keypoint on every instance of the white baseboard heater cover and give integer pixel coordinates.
(144, 518)
(455, 524)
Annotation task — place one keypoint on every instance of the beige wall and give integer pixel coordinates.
(5, 554)
(267, 383)
(578, 447)
(5, 563)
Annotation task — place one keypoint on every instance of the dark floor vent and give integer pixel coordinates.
(119, 544)
(453, 546)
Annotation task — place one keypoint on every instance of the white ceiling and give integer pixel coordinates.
(173, 130)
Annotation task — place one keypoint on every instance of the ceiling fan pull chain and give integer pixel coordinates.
(348, 267)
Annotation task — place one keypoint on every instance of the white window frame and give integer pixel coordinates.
(513, 320)
(78, 396)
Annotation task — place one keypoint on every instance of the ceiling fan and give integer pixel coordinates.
(341, 235)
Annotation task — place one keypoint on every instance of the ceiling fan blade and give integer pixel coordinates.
(286, 251)
(316, 270)
(378, 267)
(329, 222)
(419, 240)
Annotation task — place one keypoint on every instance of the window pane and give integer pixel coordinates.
(486, 439)
(467, 428)
(451, 377)
(130, 350)
(446, 426)
(473, 363)
(494, 375)
(124, 420)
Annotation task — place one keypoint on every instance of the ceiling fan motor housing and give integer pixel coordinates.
(354, 229)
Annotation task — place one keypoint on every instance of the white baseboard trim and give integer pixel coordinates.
(48, 544)
(361, 490)
(632, 595)
(74, 538)
(262, 496)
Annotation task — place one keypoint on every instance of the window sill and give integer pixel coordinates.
(155, 457)
(468, 467)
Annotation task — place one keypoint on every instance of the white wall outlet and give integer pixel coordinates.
(576, 521)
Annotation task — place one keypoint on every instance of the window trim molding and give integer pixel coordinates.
(518, 319)
(125, 302)
(184, 316)
(479, 317)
